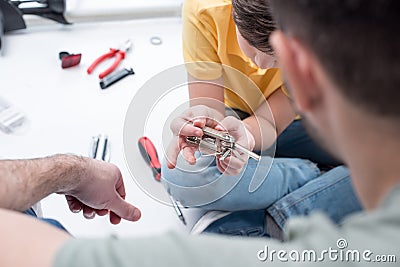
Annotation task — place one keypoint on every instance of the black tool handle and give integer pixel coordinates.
(115, 77)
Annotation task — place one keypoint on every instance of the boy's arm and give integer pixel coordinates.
(208, 93)
(270, 120)
(199, 43)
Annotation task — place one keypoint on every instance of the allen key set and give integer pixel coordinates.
(220, 143)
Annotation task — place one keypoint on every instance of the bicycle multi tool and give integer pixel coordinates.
(219, 143)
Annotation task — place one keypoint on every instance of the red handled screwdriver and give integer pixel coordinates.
(149, 153)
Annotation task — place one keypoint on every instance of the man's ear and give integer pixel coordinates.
(298, 68)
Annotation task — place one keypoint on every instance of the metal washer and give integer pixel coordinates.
(155, 40)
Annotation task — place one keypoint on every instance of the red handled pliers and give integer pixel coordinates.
(118, 53)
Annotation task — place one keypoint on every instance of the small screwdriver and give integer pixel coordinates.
(150, 155)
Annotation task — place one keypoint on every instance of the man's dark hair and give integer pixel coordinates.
(356, 41)
(254, 22)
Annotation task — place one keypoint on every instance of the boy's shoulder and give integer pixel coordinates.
(201, 6)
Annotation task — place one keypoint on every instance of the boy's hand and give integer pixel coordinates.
(233, 165)
(189, 123)
(192, 121)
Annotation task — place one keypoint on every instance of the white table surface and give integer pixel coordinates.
(66, 108)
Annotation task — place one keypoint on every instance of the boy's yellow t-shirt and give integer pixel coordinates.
(209, 35)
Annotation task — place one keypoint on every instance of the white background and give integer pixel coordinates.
(66, 107)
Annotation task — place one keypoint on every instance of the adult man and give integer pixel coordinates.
(322, 49)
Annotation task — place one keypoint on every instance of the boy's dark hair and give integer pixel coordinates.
(254, 22)
(357, 43)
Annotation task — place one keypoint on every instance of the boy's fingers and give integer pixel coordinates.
(181, 126)
(234, 163)
(221, 166)
(172, 153)
(188, 154)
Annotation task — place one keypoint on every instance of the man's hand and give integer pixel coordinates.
(90, 185)
(100, 190)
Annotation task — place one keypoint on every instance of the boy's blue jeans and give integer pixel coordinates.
(331, 193)
(258, 186)
(289, 187)
(292, 187)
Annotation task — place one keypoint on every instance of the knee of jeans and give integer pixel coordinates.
(190, 186)
(188, 177)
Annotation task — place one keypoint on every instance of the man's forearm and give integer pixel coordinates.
(28, 242)
(25, 182)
